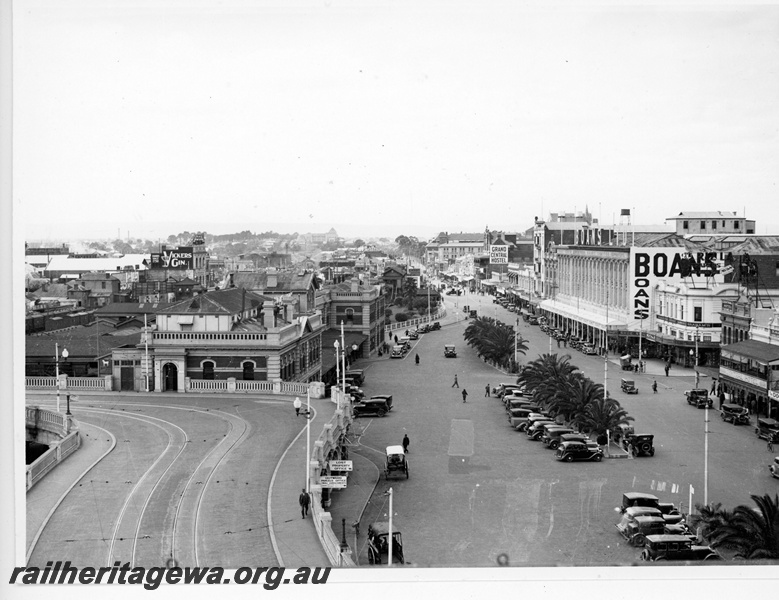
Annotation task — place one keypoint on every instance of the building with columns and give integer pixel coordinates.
(230, 334)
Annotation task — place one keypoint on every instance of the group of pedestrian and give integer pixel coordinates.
(639, 367)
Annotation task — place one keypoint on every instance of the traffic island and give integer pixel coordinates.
(615, 451)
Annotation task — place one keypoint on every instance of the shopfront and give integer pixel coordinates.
(749, 373)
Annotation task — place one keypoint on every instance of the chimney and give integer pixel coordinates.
(272, 278)
(268, 320)
(289, 309)
(355, 284)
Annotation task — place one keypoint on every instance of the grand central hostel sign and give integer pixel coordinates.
(648, 266)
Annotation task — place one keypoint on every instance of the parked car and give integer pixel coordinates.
(386, 397)
(623, 431)
(733, 413)
(699, 398)
(413, 335)
(767, 429)
(357, 374)
(630, 499)
(376, 407)
(395, 461)
(537, 431)
(405, 341)
(774, 468)
(629, 386)
(450, 351)
(570, 451)
(637, 522)
(582, 438)
(625, 362)
(642, 444)
(535, 423)
(552, 437)
(505, 388)
(398, 351)
(435, 326)
(675, 547)
(378, 543)
(518, 416)
(424, 328)
(589, 349)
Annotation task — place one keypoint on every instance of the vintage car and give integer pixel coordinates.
(517, 402)
(582, 438)
(774, 468)
(675, 547)
(533, 320)
(767, 429)
(630, 499)
(376, 407)
(531, 419)
(733, 413)
(637, 522)
(539, 429)
(629, 386)
(472, 313)
(589, 349)
(625, 362)
(355, 392)
(570, 451)
(424, 328)
(641, 444)
(551, 437)
(518, 416)
(534, 430)
(450, 351)
(405, 341)
(396, 461)
(357, 374)
(623, 431)
(398, 351)
(386, 397)
(378, 543)
(413, 335)
(435, 326)
(699, 398)
(506, 388)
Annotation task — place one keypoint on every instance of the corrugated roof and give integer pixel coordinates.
(766, 244)
(79, 341)
(286, 281)
(754, 349)
(219, 302)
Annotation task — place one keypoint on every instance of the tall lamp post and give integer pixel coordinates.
(57, 369)
(390, 536)
(336, 345)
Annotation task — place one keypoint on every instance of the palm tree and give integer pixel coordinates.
(752, 532)
(545, 376)
(575, 395)
(409, 292)
(602, 415)
(709, 518)
(493, 340)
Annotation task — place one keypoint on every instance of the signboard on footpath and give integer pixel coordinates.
(499, 254)
(341, 465)
(333, 482)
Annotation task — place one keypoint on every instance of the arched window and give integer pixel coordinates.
(208, 370)
(350, 315)
(248, 371)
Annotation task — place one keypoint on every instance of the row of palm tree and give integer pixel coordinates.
(561, 388)
(495, 341)
(749, 532)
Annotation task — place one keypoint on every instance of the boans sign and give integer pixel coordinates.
(648, 266)
(173, 258)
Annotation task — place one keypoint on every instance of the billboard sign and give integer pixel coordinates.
(173, 258)
(499, 254)
(341, 465)
(648, 266)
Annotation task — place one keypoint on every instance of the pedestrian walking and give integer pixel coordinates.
(721, 399)
(406, 442)
(396, 339)
(487, 391)
(654, 386)
(465, 394)
(416, 359)
(666, 370)
(305, 501)
(713, 386)
(455, 384)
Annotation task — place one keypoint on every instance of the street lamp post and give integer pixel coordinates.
(57, 369)
(336, 345)
(390, 536)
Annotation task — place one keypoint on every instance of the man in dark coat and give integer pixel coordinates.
(406, 442)
(465, 394)
(305, 501)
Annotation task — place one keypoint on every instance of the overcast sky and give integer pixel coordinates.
(382, 118)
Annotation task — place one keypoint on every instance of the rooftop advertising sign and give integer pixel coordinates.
(499, 255)
(648, 266)
(173, 258)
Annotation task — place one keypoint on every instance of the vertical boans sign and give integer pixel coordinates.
(648, 266)
(499, 254)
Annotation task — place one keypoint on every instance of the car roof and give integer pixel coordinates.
(381, 527)
(729, 406)
(395, 450)
(637, 495)
(767, 421)
(650, 519)
(668, 537)
(646, 511)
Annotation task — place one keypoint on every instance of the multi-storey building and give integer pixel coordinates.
(714, 222)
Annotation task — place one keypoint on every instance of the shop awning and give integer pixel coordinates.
(583, 316)
(328, 349)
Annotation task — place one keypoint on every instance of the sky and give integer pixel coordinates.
(145, 119)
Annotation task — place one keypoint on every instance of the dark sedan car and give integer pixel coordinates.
(371, 406)
(570, 451)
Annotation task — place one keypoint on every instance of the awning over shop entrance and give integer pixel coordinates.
(582, 316)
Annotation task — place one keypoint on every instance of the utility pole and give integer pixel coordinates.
(390, 536)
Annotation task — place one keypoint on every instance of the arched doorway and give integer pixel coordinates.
(170, 377)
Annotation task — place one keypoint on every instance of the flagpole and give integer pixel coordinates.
(689, 503)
